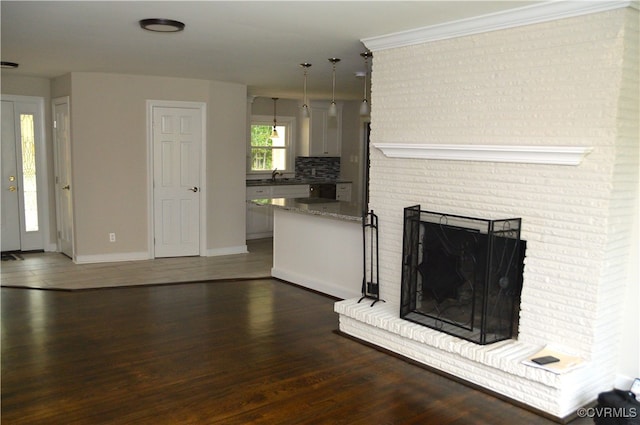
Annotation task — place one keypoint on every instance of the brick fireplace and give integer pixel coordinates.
(538, 121)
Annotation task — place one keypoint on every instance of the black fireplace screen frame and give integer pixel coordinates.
(462, 275)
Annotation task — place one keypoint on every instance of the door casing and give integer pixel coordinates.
(202, 107)
(10, 203)
(64, 176)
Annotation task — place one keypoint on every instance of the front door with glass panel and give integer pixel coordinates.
(21, 218)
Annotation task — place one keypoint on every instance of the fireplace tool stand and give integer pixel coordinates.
(370, 283)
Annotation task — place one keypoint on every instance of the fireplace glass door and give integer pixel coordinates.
(462, 275)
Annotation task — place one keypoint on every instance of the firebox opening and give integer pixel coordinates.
(462, 275)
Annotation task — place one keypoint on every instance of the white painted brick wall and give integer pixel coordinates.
(555, 83)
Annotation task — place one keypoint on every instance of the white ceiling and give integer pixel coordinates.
(257, 43)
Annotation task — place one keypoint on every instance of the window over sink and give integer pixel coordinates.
(266, 153)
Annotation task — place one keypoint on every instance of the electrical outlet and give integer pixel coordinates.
(313, 172)
(112, 237)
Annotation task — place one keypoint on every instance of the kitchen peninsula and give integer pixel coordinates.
(317, 243)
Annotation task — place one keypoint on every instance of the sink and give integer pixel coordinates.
(288, 180)
(315, 200)
(285, 180)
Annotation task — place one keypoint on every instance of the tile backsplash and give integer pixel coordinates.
(318, 167)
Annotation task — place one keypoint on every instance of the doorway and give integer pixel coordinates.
(178, 204)
(25, 216)
(62, 143)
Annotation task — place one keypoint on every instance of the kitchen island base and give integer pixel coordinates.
(318, 252)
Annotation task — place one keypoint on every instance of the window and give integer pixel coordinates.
(266, 153)
(30, 188)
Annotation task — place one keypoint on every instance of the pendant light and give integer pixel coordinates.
(305, 108)
(364, 106)
(274, 133)
(333, 109)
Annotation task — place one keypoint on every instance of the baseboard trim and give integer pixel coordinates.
(230, 250)
(112, 258)
(138, 256)
(323, 287)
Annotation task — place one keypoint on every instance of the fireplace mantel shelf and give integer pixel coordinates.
(556, 155)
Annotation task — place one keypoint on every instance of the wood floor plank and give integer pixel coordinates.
(224, 352)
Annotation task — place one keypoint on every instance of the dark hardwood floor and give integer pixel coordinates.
(231, 352)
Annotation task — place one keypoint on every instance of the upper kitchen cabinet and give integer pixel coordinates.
(321, 135)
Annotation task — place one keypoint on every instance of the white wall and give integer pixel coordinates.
(226, 154)
(352, 163)
(109, 156)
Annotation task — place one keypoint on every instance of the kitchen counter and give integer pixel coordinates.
(330, 208)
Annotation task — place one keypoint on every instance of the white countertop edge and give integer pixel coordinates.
(312, 209)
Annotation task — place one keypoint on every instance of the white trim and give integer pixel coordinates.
(229, 250)
(325, 287)
(112, 258)
(44, 169)
(259, 235)
(62, 100)
(202, 106)
(527, 15)
(558, 155)
(137, 256)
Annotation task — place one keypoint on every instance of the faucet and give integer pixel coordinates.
(275, 173)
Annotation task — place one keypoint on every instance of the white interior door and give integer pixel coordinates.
(62, 142)
(177, 145)
(10, 217)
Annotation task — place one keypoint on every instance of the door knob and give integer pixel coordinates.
(12, 189)
(193, 189)
(66, 187)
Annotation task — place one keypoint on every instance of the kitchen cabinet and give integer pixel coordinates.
(259, 217)
(321, 135)
(343, 192)
(259, 221)
(290, 191)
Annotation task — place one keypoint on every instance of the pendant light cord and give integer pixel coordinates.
(333, 86)
(274, 133)
(332, 108)
(274, 112)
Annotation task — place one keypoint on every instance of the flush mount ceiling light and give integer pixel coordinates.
(305, 108)
(8, 65)
(364, 106)
(161, 25)
(274, 133)
(333, 109)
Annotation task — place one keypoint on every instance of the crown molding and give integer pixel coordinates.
(527, 15)
(555, 155)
